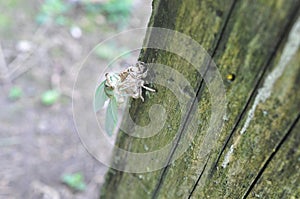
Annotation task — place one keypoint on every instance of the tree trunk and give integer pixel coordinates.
(255, 45)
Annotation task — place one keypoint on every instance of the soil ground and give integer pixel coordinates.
(38, 143)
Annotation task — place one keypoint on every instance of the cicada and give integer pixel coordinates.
(117, 87)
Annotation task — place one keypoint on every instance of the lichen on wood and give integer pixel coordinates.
(247, 39)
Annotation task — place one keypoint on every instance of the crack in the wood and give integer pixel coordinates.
(284, 34)
(197, 182)
(198, 93)
(274, 152)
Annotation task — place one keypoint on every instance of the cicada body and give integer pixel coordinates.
(118, 86)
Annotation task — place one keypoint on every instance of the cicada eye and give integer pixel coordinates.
(129, 69)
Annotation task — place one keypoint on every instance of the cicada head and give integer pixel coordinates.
(112, 80)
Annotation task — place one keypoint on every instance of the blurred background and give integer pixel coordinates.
(42, 43)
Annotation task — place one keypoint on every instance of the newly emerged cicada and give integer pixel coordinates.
(117, 87)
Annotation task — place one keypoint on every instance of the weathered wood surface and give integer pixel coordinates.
(257, 152)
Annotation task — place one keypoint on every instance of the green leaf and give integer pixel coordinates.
(50, 97)
(53, 10)
(111, 116)
(42, 19)
(100, 97)
(5, 21)
(54, 7)
(15, 93)
(117, 7)
(75, 181)
(61, 20)
(107, 52)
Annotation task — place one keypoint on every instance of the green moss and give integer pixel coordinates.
(246, 45)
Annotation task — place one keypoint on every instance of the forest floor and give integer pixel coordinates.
(42, 44)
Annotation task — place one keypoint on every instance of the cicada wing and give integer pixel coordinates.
(111, 119)
(100, 97)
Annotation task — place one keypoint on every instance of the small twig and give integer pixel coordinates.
(21, 59)
(3, 66)
(47, 191)
(4, 142)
